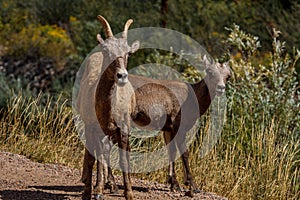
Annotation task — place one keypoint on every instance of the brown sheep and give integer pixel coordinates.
(172, 100)
(105, 94)
(168, 106)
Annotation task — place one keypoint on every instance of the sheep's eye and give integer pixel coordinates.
(209, 72)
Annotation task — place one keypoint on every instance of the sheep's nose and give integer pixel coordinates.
(221, 87)
(122, 75)
(122, 78)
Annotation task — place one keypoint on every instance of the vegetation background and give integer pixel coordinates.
(43, 42)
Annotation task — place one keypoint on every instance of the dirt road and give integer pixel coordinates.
(22, 179)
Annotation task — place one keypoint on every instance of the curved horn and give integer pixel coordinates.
(105, 24)
(126, 27)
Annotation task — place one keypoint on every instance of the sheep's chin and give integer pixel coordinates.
(121, 83)
(220, 92)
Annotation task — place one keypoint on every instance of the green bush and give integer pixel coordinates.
(41, 41)
(267, 90)
(263, 124)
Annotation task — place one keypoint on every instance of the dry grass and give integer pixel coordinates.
(262, 170)
(41, 130)
(265, 169)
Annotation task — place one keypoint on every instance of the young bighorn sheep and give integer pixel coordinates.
(110, 100)
(168, 106)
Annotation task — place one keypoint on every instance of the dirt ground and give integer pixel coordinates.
(22, 179)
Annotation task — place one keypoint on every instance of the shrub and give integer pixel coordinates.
(267, 90)
(41, 41)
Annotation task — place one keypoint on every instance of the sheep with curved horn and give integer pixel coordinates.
(174, 96)
(106, 97)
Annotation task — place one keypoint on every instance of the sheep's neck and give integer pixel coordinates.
(106, 84)
(203, 96)
(104, 95)
(105, 89)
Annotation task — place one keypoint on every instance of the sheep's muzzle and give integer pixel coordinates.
(122, 78)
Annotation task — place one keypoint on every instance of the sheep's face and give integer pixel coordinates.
(116, 52)
(217, 76)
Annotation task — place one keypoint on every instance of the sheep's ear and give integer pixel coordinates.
(99, 38)
(135, 46)
(205, 62)
(226, 64)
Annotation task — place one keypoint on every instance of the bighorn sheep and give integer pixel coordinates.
(178, 101)
(173, 97)
(106, 96)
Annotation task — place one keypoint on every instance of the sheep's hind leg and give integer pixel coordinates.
(111, 183)
(172, 156)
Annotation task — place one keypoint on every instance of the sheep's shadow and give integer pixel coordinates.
(42, 193)
(58, 192)
(135, 188)
(59, 188)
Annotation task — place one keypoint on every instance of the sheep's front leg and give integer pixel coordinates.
(188, 177)
(111, 183)
(172, 155)
(124, 150)
(87, 171)
(99, 188)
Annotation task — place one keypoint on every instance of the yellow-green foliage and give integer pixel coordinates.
(41, 41)
(192, 75)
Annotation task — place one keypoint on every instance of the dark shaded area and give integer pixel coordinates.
(47, 192)
(65, 188)
(30, 195)
(136, 188)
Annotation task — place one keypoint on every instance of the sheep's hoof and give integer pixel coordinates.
(196, 190)
(189, 193)
(176, 188)
(99, 196)
(128, 195)
(86, 196)
(114, 189)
